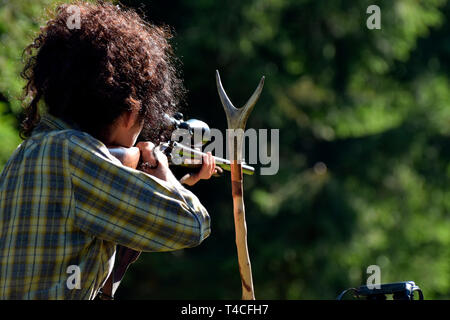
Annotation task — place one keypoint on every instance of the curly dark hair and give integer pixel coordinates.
(115, 62)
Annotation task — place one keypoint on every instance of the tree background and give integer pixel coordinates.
(364, 123)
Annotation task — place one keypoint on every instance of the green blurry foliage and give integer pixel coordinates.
(364, 123)
(18, 21)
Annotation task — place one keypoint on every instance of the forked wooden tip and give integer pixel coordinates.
(237, 118)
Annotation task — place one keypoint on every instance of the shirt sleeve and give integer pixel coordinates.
(130, 207)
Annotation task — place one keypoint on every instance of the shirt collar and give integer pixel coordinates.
(50, 123)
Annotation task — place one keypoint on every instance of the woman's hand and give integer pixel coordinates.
(207, 170)
(155, 163)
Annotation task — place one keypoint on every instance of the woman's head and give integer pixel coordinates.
(115, 62)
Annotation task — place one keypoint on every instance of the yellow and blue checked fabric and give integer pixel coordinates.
(66, 201)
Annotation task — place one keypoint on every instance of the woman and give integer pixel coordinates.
(65, 201)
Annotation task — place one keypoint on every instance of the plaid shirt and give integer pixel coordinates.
(65, 202)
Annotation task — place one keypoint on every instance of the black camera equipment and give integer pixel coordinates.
(399, 290)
